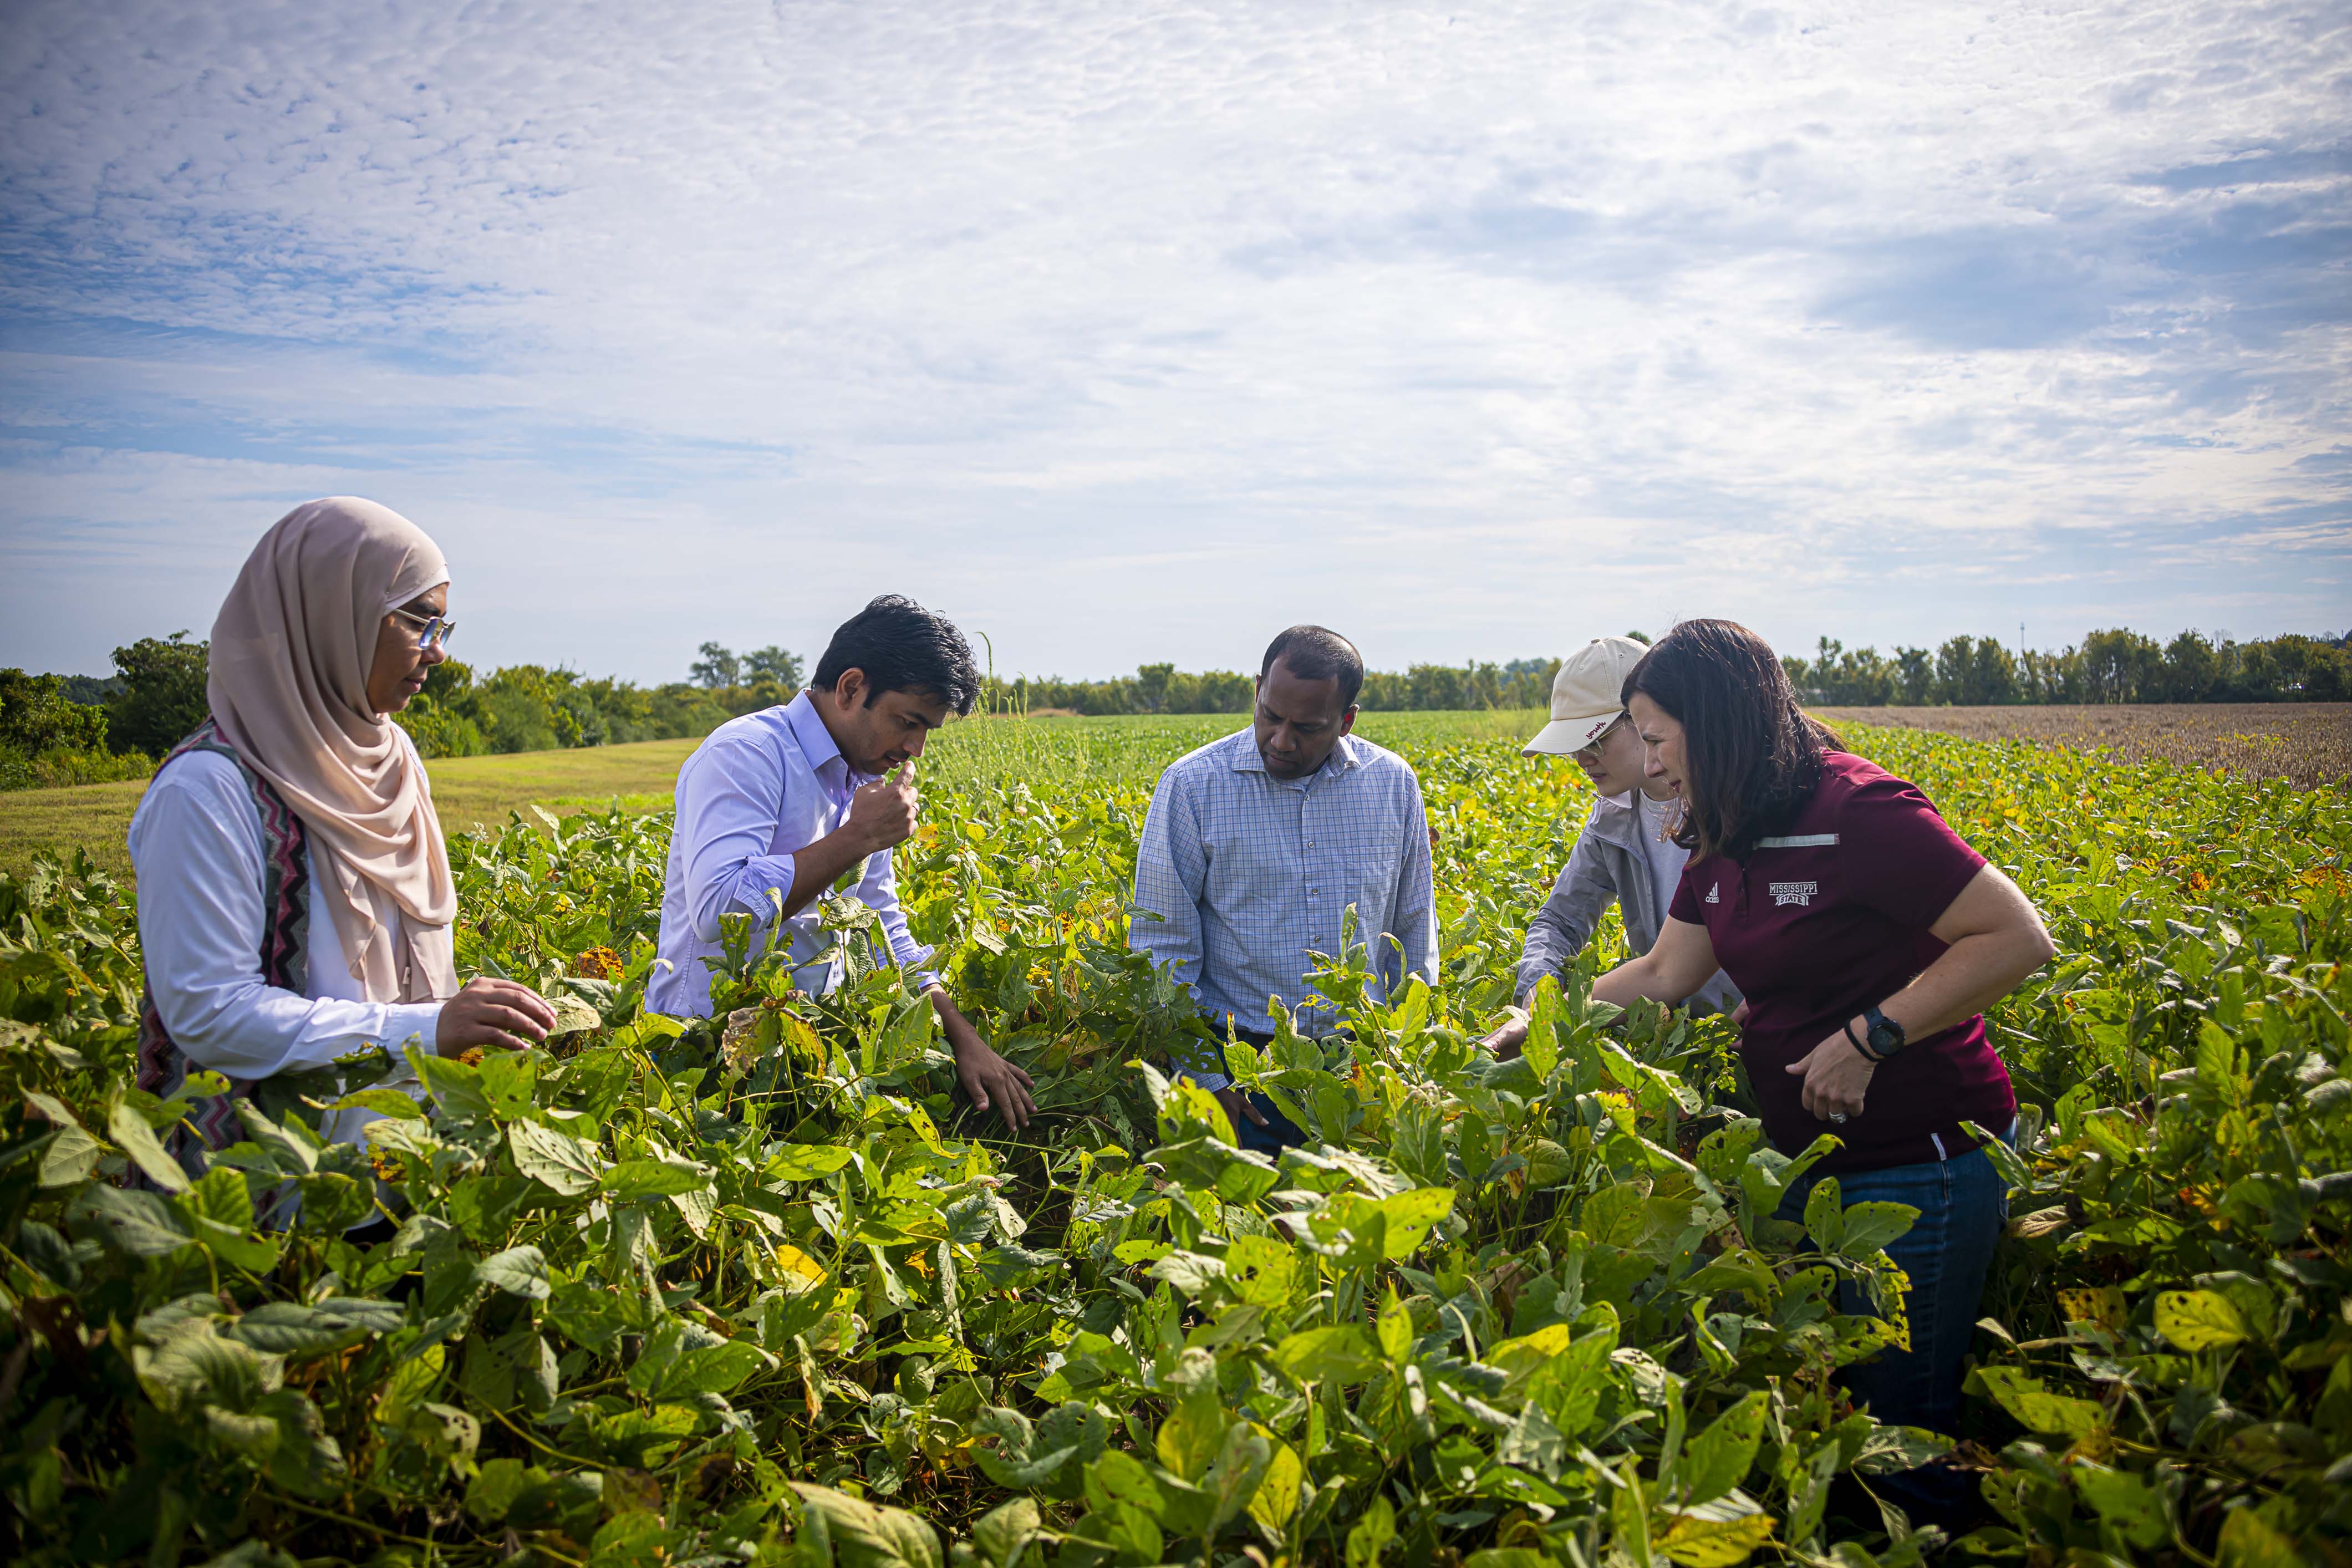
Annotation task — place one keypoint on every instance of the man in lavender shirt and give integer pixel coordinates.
(777, 805)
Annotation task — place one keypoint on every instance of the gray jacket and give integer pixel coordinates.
(1610, 865)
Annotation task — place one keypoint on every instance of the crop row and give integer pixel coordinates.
(756, 1289)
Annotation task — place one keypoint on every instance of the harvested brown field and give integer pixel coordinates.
(2307, 743)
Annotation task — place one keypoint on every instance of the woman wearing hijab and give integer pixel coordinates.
(294, 890)
(1868, 939)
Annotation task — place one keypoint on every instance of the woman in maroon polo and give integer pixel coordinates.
(1867, 938)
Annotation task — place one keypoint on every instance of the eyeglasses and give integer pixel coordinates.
(433, 631)
(1593, 748)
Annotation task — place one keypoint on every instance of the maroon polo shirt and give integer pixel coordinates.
(1828, 914)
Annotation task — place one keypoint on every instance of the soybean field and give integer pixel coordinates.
(762, 1290)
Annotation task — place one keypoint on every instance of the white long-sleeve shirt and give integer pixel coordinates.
(760, 789)
(197, 844)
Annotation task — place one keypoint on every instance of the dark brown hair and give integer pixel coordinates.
(1751, 754)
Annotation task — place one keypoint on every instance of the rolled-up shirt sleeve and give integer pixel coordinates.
(196, 846)
(727, 808)
(1569, 917)
(1172, 867)
(878, 891)
(1415, 902)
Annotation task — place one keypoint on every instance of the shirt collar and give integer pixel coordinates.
(809, 732)
(1619, 820)
(1345, 756)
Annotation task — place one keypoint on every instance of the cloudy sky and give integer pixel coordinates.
(1124, 333)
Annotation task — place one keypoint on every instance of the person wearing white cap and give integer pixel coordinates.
(1625, 855)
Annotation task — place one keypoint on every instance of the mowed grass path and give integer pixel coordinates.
(468, 791)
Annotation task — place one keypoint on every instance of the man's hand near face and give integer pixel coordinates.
(882, 814)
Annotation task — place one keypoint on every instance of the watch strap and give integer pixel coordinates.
(1875, 1020)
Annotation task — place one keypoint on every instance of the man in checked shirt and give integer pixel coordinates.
(1257, 844)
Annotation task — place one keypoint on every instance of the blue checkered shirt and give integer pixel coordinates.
(1250, 873)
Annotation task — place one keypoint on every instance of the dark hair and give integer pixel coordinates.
(902, 646)
(1751, 756)
(1318, 653)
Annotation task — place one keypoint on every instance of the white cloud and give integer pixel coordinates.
(1130, 335)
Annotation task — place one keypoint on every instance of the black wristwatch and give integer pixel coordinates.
(1886, 1034)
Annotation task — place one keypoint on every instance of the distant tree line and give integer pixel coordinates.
(2109, 667)
(1164, 689)
(531, 707)
(79, 729)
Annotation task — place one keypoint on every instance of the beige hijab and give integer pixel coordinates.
(290, 655)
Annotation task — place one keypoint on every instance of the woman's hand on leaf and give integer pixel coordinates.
(490, 1012)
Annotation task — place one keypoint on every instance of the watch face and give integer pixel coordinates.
(1883, 1039)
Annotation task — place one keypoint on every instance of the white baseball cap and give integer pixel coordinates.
(1585, 696)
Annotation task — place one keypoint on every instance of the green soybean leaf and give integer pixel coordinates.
(1190, 1272)
(632, 1180)
(496, 1486)
(1825, 1214)
(384, 1102)
(1370, 1534)
(1338, 1352)
(870, 1535)
(456, 1086)
(130, 1131)
(1002, 1536)
(573, 1015)
(2125, 1502)
(714, 1369)
(805, 1162)
(73, 1153)
(139, 1223)
(1891, 1448)
(1717, 1460)
(1410, 1216)
(552, 1159)
(291, 1329)
(1869, 1226)
(518, 1272)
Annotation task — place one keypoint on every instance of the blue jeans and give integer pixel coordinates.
(1278, 1134)
(1962, 1204)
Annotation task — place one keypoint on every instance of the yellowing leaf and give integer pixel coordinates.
(2053, 1415)
(2199, 1319)
(2248, 1541)
(1277, 1498)
(2105, 1307)
(1697, 1542)
(800, 1271)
